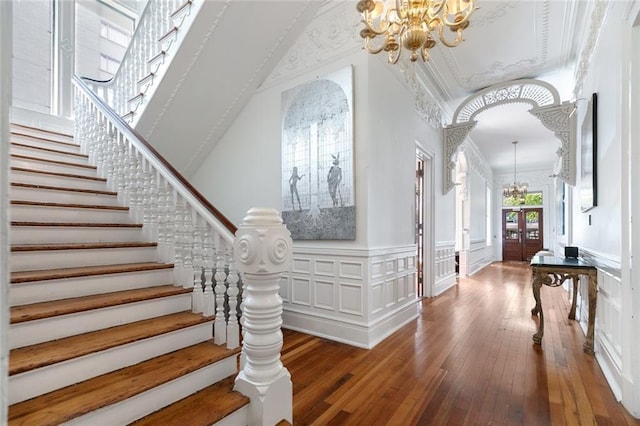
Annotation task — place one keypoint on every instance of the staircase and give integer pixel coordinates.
(99, 333)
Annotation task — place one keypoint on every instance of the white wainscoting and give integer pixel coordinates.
(354, 296)
(480, 255)
(608, 341)
(445, 267)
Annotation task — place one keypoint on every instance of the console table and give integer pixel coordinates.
(553, 272)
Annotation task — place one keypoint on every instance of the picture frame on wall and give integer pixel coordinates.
(589, 157)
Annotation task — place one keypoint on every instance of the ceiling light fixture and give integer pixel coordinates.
(409, 23)
(516, 190)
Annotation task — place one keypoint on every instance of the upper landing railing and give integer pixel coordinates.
(153, 44)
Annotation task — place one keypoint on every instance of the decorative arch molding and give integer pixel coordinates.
(546, 106)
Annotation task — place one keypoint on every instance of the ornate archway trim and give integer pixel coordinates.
(546, 106)
(454, 135)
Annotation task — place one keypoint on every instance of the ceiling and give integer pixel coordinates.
(509, 40)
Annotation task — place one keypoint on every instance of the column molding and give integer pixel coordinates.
(63, 58)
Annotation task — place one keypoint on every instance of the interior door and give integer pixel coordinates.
(522, 232)
(532, 232)
(511, 235)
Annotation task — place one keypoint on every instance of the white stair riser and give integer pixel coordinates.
(42, 291)
(38, 140)
(63, 234)
(154, 399)
(53, 180)
(34, 164)
(59, 196)
(26, 213)
(40, 381)
(47, 155)
(52, 259)
(32, 332)
(238, 417)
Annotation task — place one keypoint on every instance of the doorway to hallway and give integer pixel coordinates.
(522, 233)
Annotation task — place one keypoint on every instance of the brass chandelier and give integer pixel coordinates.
(517, 190)
(409, 24)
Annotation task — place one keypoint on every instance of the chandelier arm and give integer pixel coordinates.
(446, 42)
(435, 8)
(373, 50)
(368, 22)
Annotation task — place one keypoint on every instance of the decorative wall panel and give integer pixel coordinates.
(354, 296)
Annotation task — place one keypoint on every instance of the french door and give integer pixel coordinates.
(521, 233)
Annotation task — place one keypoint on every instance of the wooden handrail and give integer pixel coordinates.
(136, 138)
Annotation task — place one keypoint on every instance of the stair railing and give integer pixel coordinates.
(147, 55)
(190, 232)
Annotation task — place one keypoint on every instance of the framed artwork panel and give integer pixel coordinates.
(589, 157)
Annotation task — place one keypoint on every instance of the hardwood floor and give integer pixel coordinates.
(467, 360)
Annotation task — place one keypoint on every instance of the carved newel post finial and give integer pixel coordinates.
(262, 251)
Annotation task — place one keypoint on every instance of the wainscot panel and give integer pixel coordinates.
(354, 296)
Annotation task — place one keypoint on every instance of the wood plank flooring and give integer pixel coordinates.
(467, 360)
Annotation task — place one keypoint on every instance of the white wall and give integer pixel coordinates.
(354, 291)
(605, 70)
(5, 102)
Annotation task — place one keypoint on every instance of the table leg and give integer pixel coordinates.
(574, 302)
(537, 284)
(593, 298)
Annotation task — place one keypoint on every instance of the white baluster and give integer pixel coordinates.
(178, 264)
(163, 219)
(198, 294)
(233, 329)
(187, 247)
(262, 252)
(220, 323)
(209, 302)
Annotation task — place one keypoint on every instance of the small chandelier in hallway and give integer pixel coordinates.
(409, 24)
(516, 190)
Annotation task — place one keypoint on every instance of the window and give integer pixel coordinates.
(116, 35)
(108, 64)
(532, 199)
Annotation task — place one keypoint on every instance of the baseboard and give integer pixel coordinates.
(357, 334)
(443, 284)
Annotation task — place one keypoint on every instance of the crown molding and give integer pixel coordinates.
(584, 63)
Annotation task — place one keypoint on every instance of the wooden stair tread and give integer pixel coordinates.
(51, 150)
(80, 246)
(60, 188)
(72, 401)
(84, 271)
(40, 355)
(62, 163)
(66, 205)
(53, 132)
(78, 224)
(202, 408)
(69, 175)
(48, 140)
(74, 305)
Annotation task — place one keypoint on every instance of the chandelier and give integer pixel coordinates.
(517, 190)
(410, 23)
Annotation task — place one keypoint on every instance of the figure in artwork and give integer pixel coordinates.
(334, 177)
(293, 188)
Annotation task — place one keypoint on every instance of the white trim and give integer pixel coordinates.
(6, 17)
(351, 332)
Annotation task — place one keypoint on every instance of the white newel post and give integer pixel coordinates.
(262, 251)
